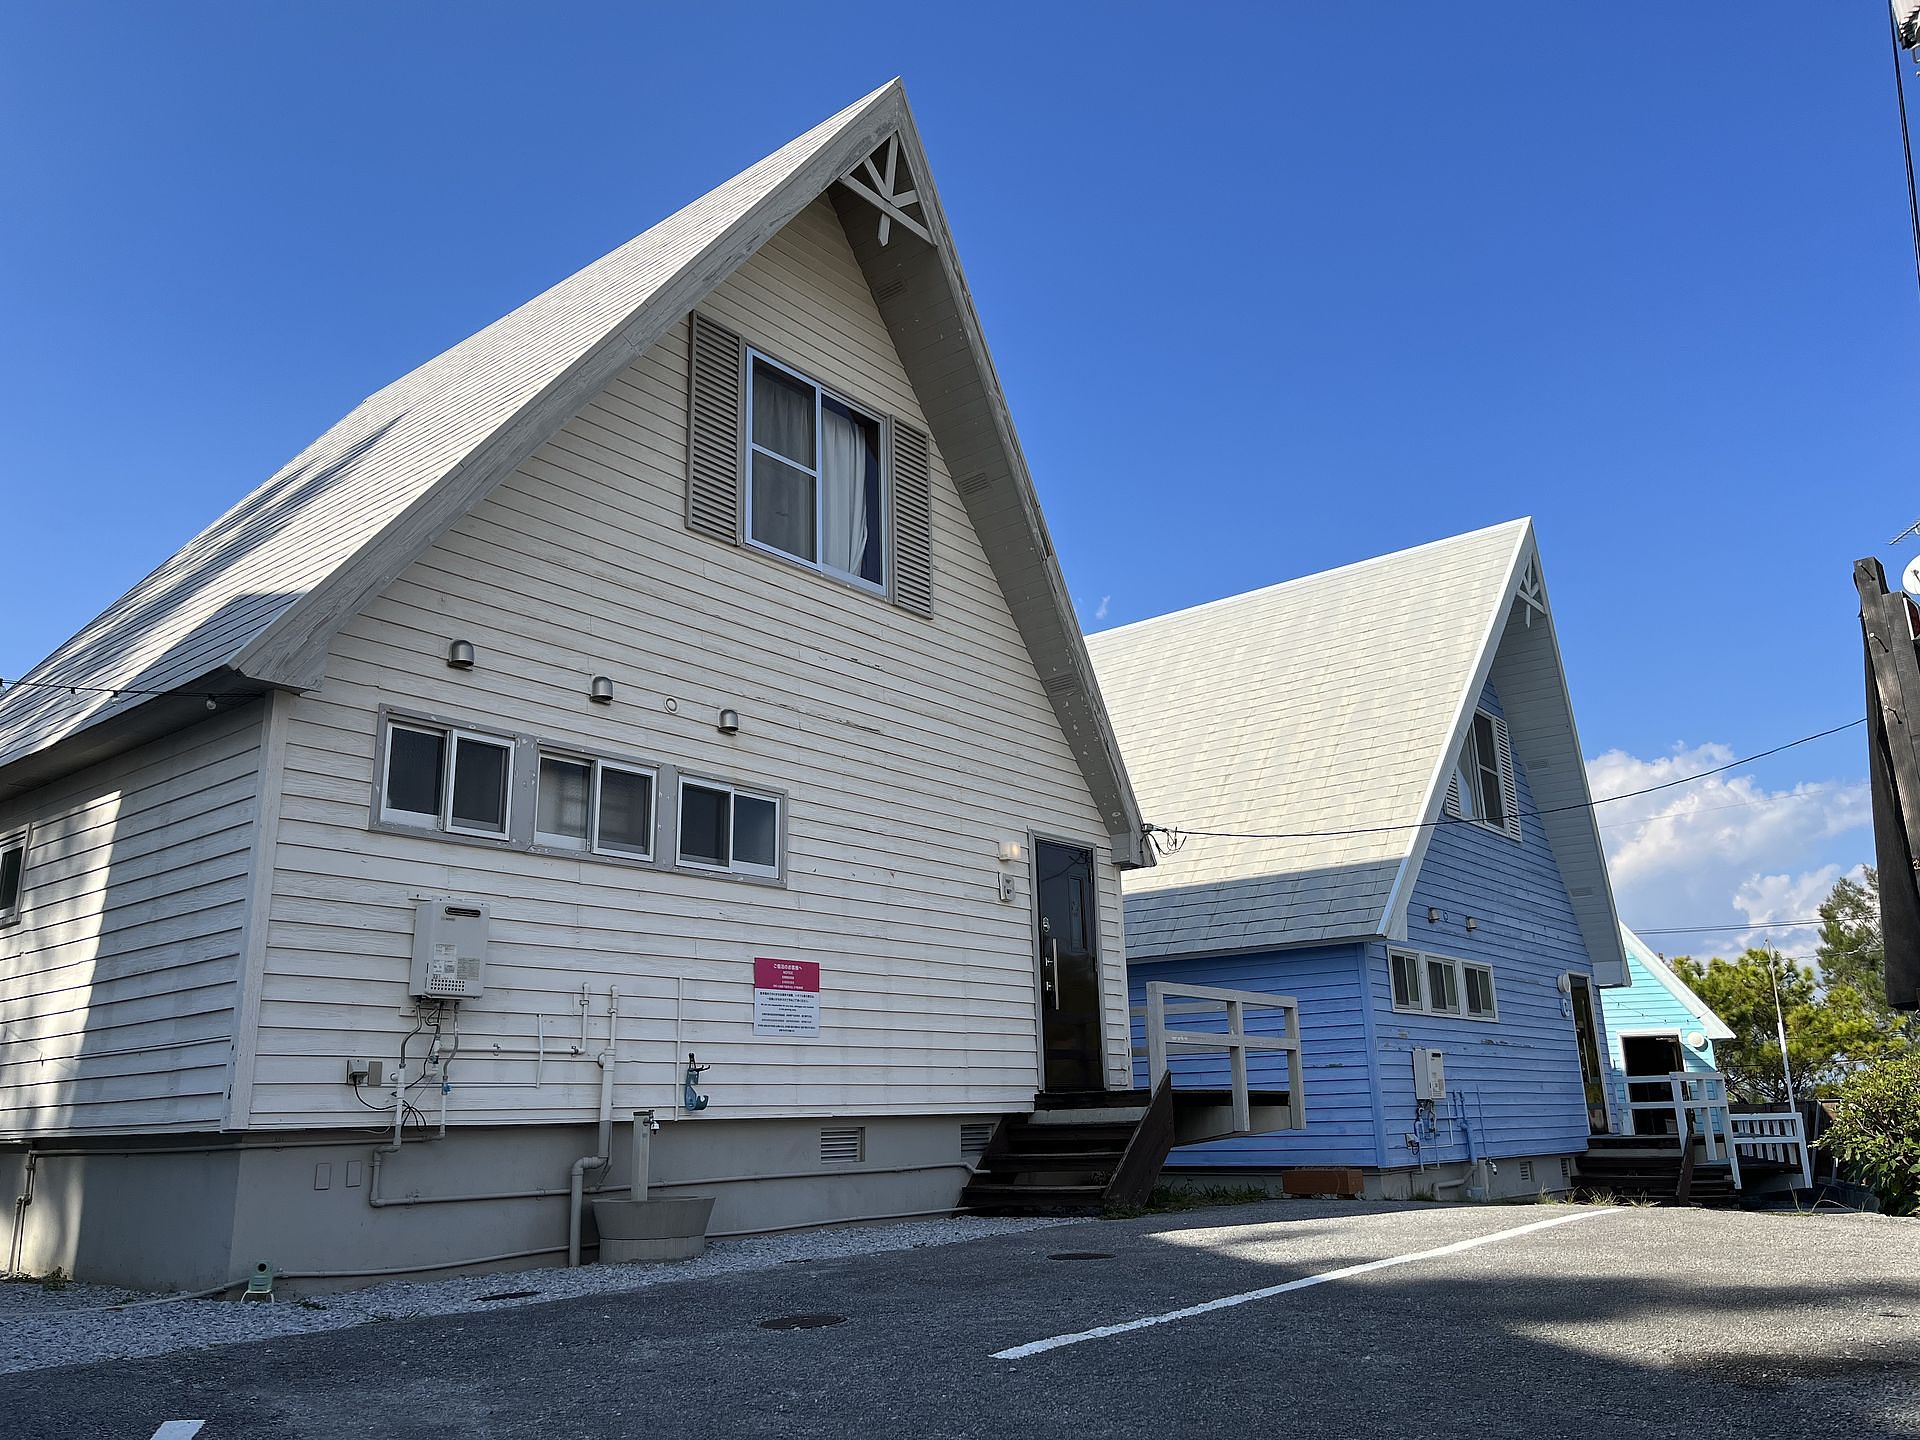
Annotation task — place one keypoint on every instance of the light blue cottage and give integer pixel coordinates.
(1655, 1026)
(1380, 809)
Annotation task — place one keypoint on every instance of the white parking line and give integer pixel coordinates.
(1225, 1302)
(178, 1430)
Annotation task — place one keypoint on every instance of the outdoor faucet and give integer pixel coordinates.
(692, 1099)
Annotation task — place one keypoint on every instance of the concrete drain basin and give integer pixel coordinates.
(674, 1228)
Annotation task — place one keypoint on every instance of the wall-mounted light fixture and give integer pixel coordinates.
(600, 692)
(1472, 924)
(729, 722)
(1696, 1039)
(1011, 851)
(460, 655)
(1433, 914)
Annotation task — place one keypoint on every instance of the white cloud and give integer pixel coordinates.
(1723, 850)
(1100, 613)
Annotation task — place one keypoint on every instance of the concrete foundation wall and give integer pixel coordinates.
(323, 1204)
(1517, 1178)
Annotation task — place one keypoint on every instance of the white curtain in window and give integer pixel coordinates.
(843, 480)
(782, 415)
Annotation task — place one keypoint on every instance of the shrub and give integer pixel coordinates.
(1876, 1130)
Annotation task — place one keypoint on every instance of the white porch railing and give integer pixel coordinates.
(1697, 1100)
(1777, 1135)
(1166, 998)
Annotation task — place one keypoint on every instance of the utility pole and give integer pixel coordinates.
(1780, 1020)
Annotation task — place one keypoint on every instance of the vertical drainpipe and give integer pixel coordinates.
(1364, 952)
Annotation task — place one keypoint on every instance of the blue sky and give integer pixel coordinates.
(1271, 288)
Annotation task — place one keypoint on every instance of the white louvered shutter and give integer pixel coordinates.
(717, 389)
(912, 519)
(1509, 788)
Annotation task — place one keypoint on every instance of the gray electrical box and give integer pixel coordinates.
(449, 949)
(1429, 1074)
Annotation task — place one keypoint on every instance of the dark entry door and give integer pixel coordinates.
(1655, 1057)
(1591, 1077)
(1069, 959)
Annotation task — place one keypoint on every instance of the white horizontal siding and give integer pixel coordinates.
(910, 750)
(118, 983)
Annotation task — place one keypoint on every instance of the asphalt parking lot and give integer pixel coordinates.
(1521, 1321)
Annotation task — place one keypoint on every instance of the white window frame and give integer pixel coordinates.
(1492, 1012)
(416, 819)
(547, 839)
(1424, 1001)
(442, 820)
(596, 767)
(1418, 1004)
(16, 840)
(599, 768)
(1471, 771)
(734, 865)
(818, 563)
(1451, 970)
(497, 742)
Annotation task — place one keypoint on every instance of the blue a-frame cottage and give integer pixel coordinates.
(1380, 808)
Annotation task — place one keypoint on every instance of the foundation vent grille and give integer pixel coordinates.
(975, 1136)
(1526, 1172)
(843, 1144)
(1566, 1169)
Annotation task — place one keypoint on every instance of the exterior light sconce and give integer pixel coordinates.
(460, 655)
(729, 722)
(1433, 915)
(1472, 924)
(1696, 1040)
(600, 692)
(1012, 851)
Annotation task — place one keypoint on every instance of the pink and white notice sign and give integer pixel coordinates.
(786, 997)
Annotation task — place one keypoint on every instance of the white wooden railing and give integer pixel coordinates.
(1166, 998)
(1698, 1101)
(1778, 1135)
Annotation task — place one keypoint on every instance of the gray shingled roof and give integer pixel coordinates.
(254, 598)
(229, 585)
(1329, 703)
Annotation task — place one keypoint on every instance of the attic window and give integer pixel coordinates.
(13, 864)
(1482, 788)
(814, 489)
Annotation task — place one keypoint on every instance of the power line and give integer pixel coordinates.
(1906, 140)
(114, 690)
(1178, 835)
(1750, 925)
(1681, 811)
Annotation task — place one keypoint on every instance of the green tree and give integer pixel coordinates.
(1830, 1031)
(1851, 952)
(1876, 1130)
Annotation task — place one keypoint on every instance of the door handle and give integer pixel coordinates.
(1053, 973)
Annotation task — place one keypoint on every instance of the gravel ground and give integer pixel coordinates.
(83, 1324)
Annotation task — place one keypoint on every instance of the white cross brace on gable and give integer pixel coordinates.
(1532, 593)
(877, 189)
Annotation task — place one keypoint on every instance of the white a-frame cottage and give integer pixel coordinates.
(677, 673)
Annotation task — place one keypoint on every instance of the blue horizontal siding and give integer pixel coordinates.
(1327, 981)
(1645, 1004)
(1514, 1083)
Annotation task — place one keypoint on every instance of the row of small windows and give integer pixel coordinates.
(462, 782)
(1440, 985)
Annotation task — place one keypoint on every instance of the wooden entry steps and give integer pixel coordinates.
(1653, 1167)
(1079, 1153)
(1085, 1152)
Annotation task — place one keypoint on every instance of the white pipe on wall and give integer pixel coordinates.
(577, 1176)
